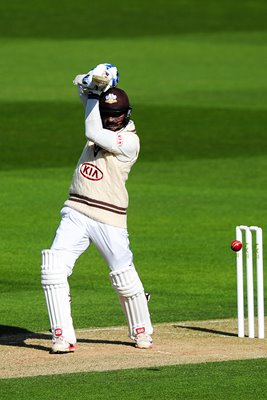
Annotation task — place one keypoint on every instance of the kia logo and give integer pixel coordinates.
(90, 171)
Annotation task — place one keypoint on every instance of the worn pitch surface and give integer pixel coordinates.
(109, 349)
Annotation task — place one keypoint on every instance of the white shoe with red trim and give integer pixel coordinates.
(143, 341)
(61, 345)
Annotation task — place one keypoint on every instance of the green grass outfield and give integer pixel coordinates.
(226, 380)
(195, 72)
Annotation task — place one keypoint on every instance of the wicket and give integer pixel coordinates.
(249, 280)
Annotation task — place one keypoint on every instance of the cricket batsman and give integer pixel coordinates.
(96, 211)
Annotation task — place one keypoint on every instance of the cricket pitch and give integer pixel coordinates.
(102, 349)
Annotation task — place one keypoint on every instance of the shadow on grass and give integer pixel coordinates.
(133, 18)
(207, 330)
(211, 132)
(16, 336)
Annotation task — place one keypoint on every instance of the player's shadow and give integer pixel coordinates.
(16, 336)
(105, 341)
(207, 330)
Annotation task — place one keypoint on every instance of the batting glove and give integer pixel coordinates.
(98, 79)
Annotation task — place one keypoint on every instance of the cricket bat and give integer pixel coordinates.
(100, 80)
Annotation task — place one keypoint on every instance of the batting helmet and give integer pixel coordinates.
(115, 102)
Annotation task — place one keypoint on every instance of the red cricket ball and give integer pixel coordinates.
(236, 245)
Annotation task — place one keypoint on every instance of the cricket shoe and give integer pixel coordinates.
(60, 345)
(143, 341)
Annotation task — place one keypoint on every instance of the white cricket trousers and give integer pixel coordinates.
(76, 232)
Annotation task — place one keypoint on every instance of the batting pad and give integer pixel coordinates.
(132, 297)
(57, 294)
